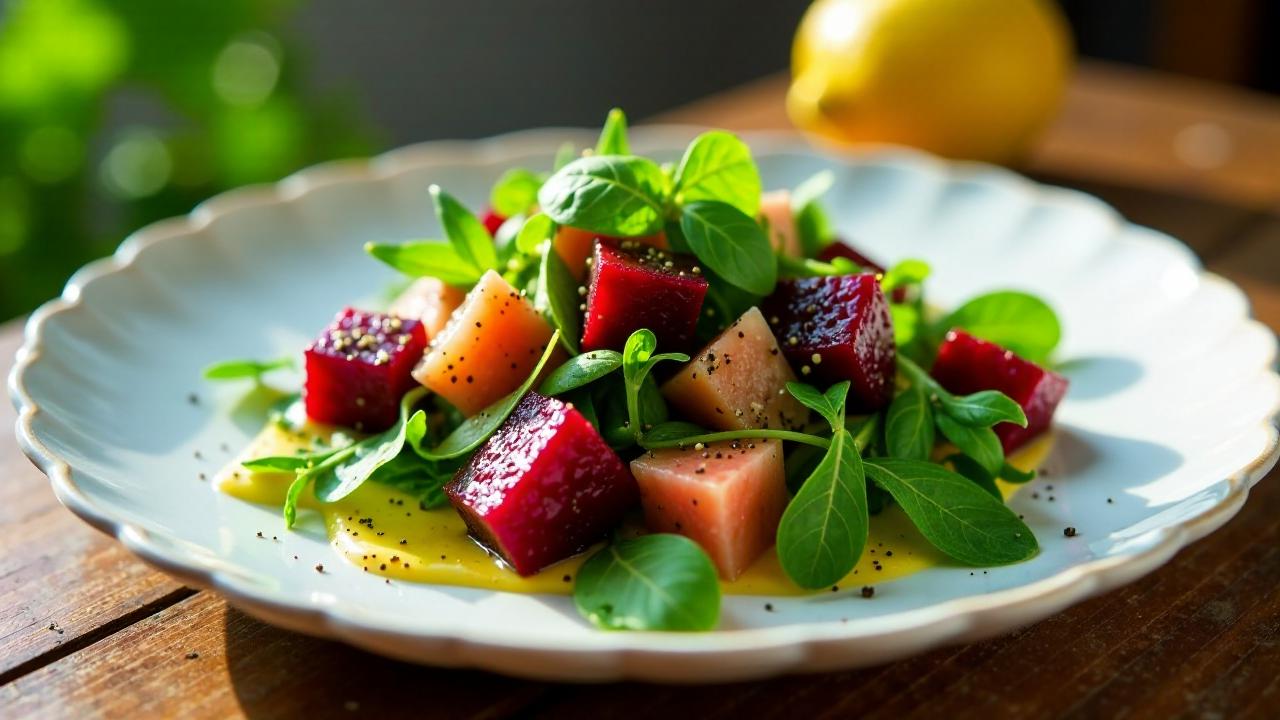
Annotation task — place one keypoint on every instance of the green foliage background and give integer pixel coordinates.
(221, 91)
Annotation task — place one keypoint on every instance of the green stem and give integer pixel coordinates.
(799, 437)
(862, 438)
(808, 267)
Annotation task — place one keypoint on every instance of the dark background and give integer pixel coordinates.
(109, 118)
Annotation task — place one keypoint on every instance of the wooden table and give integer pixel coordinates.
(86, 629)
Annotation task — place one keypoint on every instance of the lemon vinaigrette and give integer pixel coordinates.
(385, 531)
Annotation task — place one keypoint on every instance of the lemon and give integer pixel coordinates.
(973, 79)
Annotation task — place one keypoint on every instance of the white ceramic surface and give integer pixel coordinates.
(1170, 413)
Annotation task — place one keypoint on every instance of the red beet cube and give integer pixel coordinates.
(634, 286)
(359, 368)
(545, 486)
(492, 221)
(966, 365)
(837, 328)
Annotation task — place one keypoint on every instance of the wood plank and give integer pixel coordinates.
(56, 571)
(243, 668)
(1118, 126)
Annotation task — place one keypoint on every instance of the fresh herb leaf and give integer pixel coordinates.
(610, 194)
(536, 230)
(638, 359)
(813, 228)
(465, 232)
(830, 405)
(245, 369)
(824, 529)
(982, 409)
(564, 155)
(613, 137)
(1013, 320)
(476, 429)
(1011, 474)
(800, 462)
(674, 430)
(731, 243)
(283, 463)
(653, 407)
(653, 582)
(515, 192)
(411, 474)
(979, 443)
(790, 266)
(718, 166)
(366, 456)
(968, 467)
(429, 258)
(906, 323)
(907, 272)
(908, 430)
(581, 370)
(558, 298)
(955, 515)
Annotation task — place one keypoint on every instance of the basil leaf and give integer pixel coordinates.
(533, 233)
(970, 468)
(368, 455)
(653, 582)
(245, 369)
(609, 194)
(982, 409)
(731, 243)
(1013, 320)
(613, 137)
(411, 474)
(515, 192)
(427, 259)
(653, 407)
(824, 529)
(908, 428)
(476, 429)
(673, 430)
(718, 166)
(907, 272)
(638, 359)
(812, 225)
(954, 515)
(581, 370)
(906, 323)
(1011, 474)
(282, 463)
(558, 298)
(584, 402)
(979, 443)
(465, 232)
(829, 405)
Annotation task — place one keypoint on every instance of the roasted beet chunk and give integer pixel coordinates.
(966, 365)
(837, 328)
(636, 286)
(544, 486)
(359, 368)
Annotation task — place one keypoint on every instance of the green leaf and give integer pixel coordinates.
(282, 463)
(558, 294)
(476, 429)
(536, 230)
(982, 409)
(718, 166)
(979, 443)
(427, 259)
(423, 479)
(515, 192)
(368, 455)
(830, 405)
(564, 155)
(732, 244)
(672, 431)
(907, 272)
(465, 232)
(908, 429)
(1011, 474)
(824, 529)
(610, 194)
(613, 137)
(653, 407)
(653, 582)
(245, 369)
(906, 323)
(970, 468)
(638, 359)
(1013, 320)
(955, 515)
(581, 370)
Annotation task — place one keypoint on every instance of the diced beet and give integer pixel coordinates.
(492, 221)
(576, 245)
(636, 286)
(841, 249)
(837, 328)
(545, 486)
(360, 367)
(728, 498)
(966, 365)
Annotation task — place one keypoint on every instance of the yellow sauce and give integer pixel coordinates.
(385, 532)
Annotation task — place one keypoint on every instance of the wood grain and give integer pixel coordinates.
(54, 569)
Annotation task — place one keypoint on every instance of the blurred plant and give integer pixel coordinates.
(117, 113)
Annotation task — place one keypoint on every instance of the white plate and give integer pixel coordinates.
(1170, 411)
